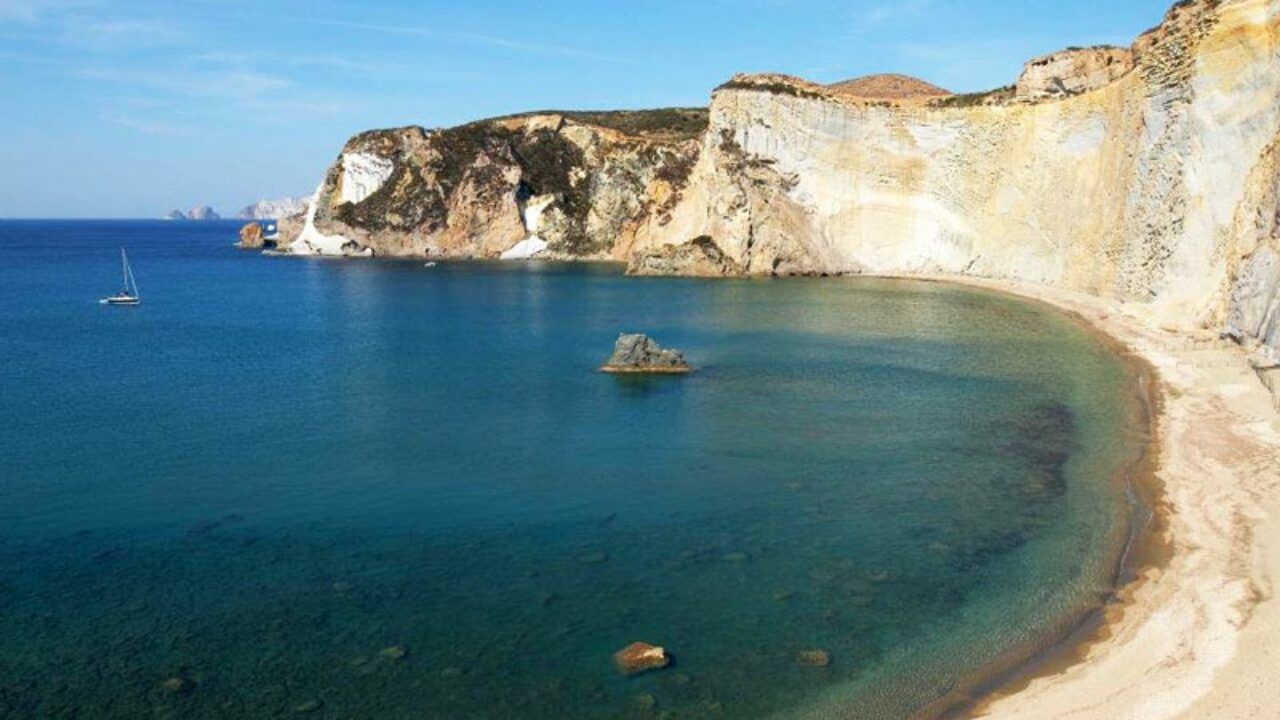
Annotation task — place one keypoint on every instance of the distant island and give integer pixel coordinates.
(260, 210)
(274, 209)
(202, 212)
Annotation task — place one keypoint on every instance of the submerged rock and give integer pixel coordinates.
(813, 658)
(395, 652)
(639, 658)
(641, 355)
(178, 686)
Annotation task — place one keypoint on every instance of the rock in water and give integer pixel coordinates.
(178, 685)
(395, 652)
(639, 658)
(203, 212)
(814, 658)
(640, 354)
(251, 236)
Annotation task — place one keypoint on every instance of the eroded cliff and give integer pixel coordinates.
(1152, 182)
(1147, 173)
(554, 184)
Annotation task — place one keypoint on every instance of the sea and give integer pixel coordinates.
(288, 487)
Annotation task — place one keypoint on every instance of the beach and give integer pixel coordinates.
(1193, 636)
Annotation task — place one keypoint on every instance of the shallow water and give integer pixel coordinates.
(274, 469)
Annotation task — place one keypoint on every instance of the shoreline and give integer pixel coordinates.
(1187, 634)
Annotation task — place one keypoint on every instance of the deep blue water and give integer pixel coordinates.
(276, 468)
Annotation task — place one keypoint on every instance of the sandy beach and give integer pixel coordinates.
(1195, 636)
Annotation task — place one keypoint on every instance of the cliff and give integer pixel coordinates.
(1150, 175)
(274, 209)
(1147, 174)
(575, 185)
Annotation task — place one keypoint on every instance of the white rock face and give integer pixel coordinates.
(531, 214)
(1146, 188)
(363, 174)
(275, 209)
(313, 242)
(1072, 71)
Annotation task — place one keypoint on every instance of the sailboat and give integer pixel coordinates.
(129, 295)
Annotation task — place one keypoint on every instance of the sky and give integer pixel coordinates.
(125, 108)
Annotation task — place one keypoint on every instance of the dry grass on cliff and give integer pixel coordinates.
(664, 125)
(888, 87)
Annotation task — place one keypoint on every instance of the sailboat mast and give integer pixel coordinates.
(130, 284)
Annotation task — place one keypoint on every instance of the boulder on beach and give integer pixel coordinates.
(639, 658)
(639, 354)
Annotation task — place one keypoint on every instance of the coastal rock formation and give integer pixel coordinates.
(1146, 174)
(202, 212)
(570, 185)
(640, 354)
(700, 257)
(275, 209)
(1072, 72)
(1158, 186)
(251, 237)
(640, 658)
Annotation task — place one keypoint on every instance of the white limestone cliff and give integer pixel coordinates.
(1147, 174)
(1157, 186)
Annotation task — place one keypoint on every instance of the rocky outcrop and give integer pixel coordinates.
(275, 209)
(251, 237)
(1147, 174)
(573, 185)
(640, 657)
(639, 354)
(1156, 186)
(1072, 72)
(202, 212)
(700, 257)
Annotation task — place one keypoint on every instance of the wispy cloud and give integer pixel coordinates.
(895, 12)
(476, 39)
(30, 11)
(124, 33)
(208, 83)
(147, 126)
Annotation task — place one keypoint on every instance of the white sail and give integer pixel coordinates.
(130, 283)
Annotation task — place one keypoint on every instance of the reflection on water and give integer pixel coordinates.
(372, 489)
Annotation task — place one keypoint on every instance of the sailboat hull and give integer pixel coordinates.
(121, 301)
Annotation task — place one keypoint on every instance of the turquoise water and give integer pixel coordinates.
(274, 469)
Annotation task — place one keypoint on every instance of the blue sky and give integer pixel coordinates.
(117, 108)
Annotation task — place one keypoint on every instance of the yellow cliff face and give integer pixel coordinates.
(1132, 189)
(1147, 174)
